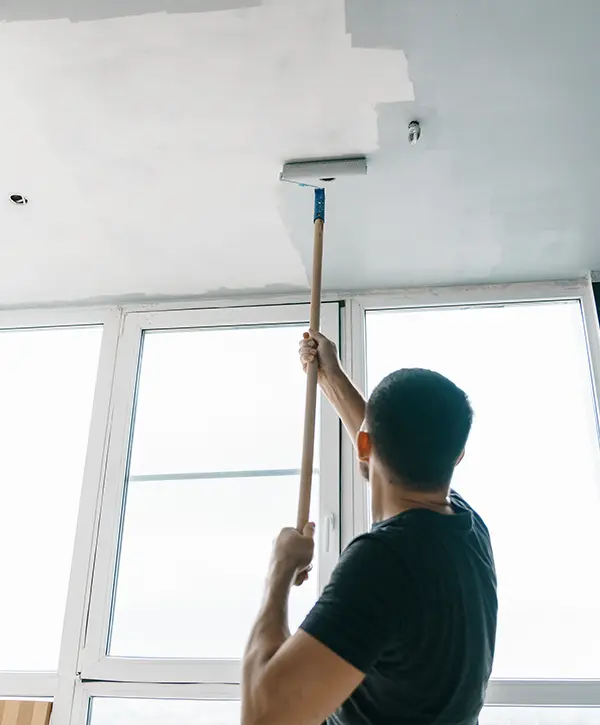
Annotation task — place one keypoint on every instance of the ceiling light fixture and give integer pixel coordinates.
(414, 132)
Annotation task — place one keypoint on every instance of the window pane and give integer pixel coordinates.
(531, 467)
(193, 563)
(219, 400)
(214, 479)
(539, 716)
(110, 711)
(47, 381)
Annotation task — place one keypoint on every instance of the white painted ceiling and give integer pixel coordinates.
(149, 135)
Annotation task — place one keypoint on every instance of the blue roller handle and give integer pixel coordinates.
(320, 204)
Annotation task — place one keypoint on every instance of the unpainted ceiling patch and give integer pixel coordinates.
(86, 10)
(218, 295)
(475, 202)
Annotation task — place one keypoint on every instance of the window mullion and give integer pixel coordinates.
(112, 484)
(212, 475)
(590, 307)
(355, 508)
(329, 467)
(87, 520)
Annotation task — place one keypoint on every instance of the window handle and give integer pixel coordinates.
(329, 529)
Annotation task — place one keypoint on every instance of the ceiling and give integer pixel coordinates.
(148, 136)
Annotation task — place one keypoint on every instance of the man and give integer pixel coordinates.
(404, 633)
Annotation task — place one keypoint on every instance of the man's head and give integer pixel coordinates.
(416, 427)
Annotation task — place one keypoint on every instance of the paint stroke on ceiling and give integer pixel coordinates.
(150, 145)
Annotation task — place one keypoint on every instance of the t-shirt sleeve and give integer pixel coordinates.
(359, 613)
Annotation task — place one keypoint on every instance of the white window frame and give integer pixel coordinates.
(500, 693)
(60, 685)
(355, 515)
(94, 663)
(73, 685)
(86, 691)
(506, 692)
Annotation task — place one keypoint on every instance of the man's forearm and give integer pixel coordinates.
(269, 633)
(347, 400)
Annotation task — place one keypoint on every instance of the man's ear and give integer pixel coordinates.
(459, 459)
(363, 446)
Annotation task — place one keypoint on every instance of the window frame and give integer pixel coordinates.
(533, 693)
(502, 691)
(60, 684)
(72, 686)
(355, 514)
(94, 663)
(86, 691)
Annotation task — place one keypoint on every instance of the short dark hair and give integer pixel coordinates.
(419, 422)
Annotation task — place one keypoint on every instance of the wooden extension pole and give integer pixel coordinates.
(310, 412)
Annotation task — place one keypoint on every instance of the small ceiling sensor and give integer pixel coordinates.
(19, 199)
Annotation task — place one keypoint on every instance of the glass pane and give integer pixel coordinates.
(123, 711)
(196, 538)
(219, 400)
(193, 564)
(47, 382)
(531, 467)
(539, 716)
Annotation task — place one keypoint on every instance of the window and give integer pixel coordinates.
(129, 711)
(215, 418)
(532, 470)
(47, 382)
(136, 558)
(531, 467)
(213, 476)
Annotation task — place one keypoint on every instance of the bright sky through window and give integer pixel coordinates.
(195, 552)
(531, 469)
(47, 382)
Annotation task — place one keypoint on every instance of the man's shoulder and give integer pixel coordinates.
(459, 502)
(372, 543)
(373, 553)
(378, 554)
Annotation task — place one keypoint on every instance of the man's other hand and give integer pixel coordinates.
(294, 551)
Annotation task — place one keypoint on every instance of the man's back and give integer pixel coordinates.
(413, 605)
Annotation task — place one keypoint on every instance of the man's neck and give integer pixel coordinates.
(399, 499)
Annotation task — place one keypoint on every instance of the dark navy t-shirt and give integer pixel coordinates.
(413, 605)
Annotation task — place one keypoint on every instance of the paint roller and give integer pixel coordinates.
(315, 174)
